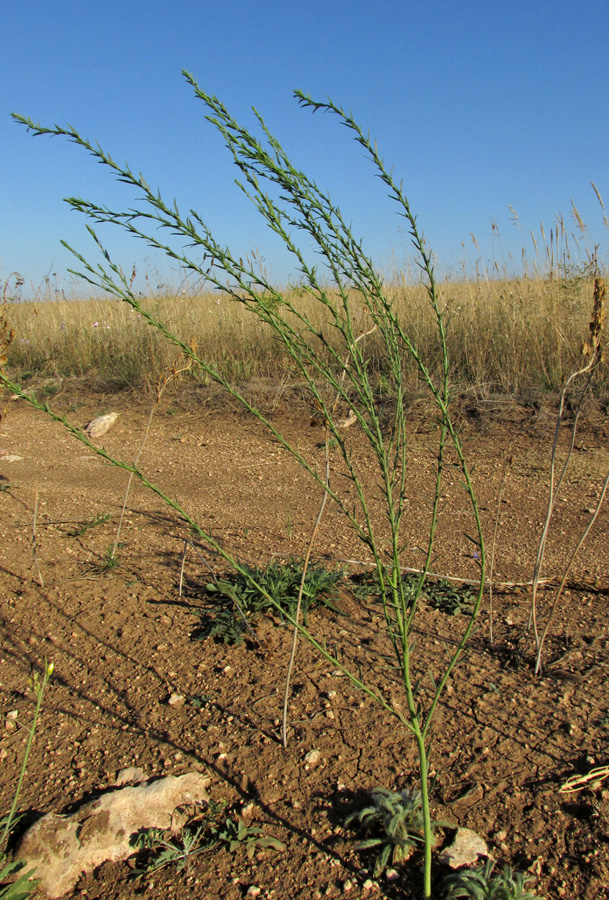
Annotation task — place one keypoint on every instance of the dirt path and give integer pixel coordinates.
(121, 641)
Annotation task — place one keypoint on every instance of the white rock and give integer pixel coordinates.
(177, 700)
(129, 775)
(466, 849)
(99, 426)
(312, 757)
(60, 848)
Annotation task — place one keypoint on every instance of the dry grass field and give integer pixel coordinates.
(504, 337)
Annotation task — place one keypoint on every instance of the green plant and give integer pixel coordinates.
(329, 354)
(449, 598)
(256, 590)
(399, 823)
(158, 849)
(87, 525)
(439, 593)
(482, 884)
(22, 886)
(235, 833)
(109, 560)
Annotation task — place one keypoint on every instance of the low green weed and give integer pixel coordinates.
(397, 818)
(451, 599)
(158, 849)
(482, 884)
(22, 886)
(88, 524)
(237, 601)
(109, 560)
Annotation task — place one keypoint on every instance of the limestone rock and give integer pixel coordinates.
(466, 849)
(60, 848)
(99, 426)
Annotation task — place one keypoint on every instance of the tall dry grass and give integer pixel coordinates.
(504, 336)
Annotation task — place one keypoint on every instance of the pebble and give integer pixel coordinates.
(129, 775)
(312, 757)
(177, 700)
(253, 891)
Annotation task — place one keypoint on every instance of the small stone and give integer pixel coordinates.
(500, 835)
(392, 874)
(312, 757)
(466, 849)
(253, 891)
(12, 714)
(129, 775)
(177, 700)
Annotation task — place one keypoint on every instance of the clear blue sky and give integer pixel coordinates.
(477, 106)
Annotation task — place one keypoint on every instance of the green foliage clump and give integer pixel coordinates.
(482, 884)
(254, 591)
(451, 599)
(156, 848)
(397, 818)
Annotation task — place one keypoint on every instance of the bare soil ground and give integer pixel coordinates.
(122, 643)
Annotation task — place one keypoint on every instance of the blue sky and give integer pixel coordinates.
(478, 106)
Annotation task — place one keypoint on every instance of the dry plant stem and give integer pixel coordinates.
(538, 665)
(473, 582)
(35, 541)
(188, 544)
(163, 382)
(130, 479)
(554, 489)
(305, 566)
(506, 472)
(579, 782)
(594, 349)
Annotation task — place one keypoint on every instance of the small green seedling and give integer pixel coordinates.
(482, 884)
(22, 886)
(161, 849)
(158, 849)
(87, 525)
(398, 820)
(235, 834)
